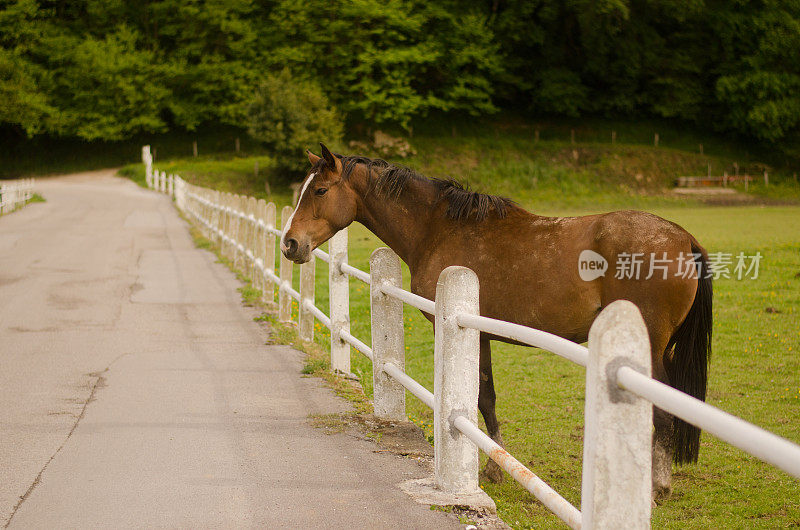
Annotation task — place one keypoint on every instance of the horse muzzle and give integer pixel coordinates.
(295, 251)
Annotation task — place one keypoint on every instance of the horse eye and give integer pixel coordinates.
(322, 191)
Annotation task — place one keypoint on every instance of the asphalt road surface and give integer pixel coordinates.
(136, 390)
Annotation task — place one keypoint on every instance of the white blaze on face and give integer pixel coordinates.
(299, 200)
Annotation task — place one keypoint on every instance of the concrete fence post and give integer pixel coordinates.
(388, 342)
(181, 192)
(147, 160)
(171, 185)
(270, 217)
(163, 182)
(214, 216)
(455, 381)
(178, 195)
(244, 234)
(234, 229)
(339, 298)
(250, 245)
(616, 489)
(223, 222)
(284, 298)
(227, 247)
(219, 217)
(238, 231)
(258, 246)
(306, 317)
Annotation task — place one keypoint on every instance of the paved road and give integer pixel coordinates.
(136, 391)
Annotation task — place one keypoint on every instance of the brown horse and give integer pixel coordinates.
(533, 270)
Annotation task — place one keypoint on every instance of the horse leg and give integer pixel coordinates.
(663, 427)
(662, 454)
(486, 402)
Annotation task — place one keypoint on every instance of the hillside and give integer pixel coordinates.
(504, 157)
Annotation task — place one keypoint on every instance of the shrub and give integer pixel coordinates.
(289, 115)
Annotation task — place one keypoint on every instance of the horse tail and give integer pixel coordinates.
(691, 349)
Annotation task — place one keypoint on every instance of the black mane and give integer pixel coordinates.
(389, 180)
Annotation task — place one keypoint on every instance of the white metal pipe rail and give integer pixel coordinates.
(535, 485)
(760, 443)
(357, 344)
(236, 229)
(422, 393)
(414, 300)
(533, 337)
(358, 274)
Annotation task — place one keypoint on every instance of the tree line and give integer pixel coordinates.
(109, 69)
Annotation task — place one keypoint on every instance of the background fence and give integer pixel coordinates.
(616, 481)
(15, 193)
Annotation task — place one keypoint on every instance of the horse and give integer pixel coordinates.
(528, 269)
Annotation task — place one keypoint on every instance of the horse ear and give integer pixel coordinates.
(312, 157)
(331, 159)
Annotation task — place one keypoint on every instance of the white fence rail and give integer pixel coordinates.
(14, 194)
(619, 389)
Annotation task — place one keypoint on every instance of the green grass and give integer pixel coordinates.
(755, 369)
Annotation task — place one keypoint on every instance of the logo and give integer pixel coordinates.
(591, 265)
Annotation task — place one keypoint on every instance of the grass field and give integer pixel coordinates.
(755, 370)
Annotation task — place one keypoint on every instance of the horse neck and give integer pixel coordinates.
(400, 222)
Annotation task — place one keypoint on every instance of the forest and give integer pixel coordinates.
(111, 69)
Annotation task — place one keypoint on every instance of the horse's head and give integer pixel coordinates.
(326, 205)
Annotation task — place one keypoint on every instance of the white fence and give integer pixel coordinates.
(15, 193)
(616, 482)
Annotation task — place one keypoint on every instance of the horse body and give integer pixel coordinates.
(528, 269)
(527, 266)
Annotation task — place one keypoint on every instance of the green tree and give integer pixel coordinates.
(22, 103)
(290, 115)
(388, 61)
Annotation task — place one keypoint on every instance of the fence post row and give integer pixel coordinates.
(388, 341)
(339, 297)
(284, 299)
(616, 486)
(455, 381)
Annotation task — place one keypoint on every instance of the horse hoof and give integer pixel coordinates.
(492, 472)
(661, 493)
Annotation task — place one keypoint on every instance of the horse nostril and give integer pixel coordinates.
(291, 246)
